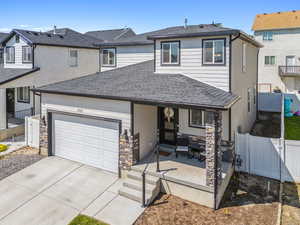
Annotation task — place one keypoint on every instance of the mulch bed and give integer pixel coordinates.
(18, 160)
(291, 204)
(171, 210)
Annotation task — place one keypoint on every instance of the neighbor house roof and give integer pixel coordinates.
(3, 36)
(201, 30)
(110, 35)
(139, 83)
(7, 75)
(62, 37)
(278, 20)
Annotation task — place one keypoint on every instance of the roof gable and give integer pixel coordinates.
(279, 20)
(110, 35)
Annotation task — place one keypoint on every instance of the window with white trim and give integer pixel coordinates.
(270, 60)
(199, 118)
(17, 39)
(249, 99)
(214, 52)
(170, 53)
(109, 57)
(244, 66)
(26, 54)
(73, 58)
(268, 36)
(23, 94)
(10, 54)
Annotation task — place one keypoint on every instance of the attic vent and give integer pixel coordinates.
(49, 35)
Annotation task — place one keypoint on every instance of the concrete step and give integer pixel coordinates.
(135, 175)
(136, 195)
(138, 185)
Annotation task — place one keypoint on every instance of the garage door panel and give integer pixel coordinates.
(89, 141)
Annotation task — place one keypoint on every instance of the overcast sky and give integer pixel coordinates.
(142, 16)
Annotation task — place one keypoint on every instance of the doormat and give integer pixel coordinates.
(163, 153)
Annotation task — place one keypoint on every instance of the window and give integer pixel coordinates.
(73, 58)
(270, 60)
(268, 36)
(10, 54)
(214, 52)
(23, 94)
(244, 67)
(170, 53)
(249, 99)
(27, 54)
(198, 118)
(109, 57)
(17, 39)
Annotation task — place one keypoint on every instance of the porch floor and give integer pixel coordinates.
(182, 169)
(14, 122)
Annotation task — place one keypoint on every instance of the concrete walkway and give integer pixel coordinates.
(54, 190)
(13, 144)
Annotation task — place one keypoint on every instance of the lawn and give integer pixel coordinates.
(86, 220)
(292, 128)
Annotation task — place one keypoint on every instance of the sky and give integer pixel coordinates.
(141, 16)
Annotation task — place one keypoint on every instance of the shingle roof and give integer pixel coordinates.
(178, 32)
(139, 83)
(3, 36)
(63, 37)
(7, 75)
(279, 20)
(110, 35)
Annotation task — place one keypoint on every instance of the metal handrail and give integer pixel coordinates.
(286, 70)
(156, 150)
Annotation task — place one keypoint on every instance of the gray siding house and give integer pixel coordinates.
(162, 111)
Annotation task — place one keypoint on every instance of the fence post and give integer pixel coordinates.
(248, 155)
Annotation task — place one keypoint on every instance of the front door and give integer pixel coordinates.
(168, 125)
(290, 63)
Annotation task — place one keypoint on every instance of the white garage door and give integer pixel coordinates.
(89, 141)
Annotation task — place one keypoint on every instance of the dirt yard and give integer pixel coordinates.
(252, 204)
(18, 160)
(291, 204)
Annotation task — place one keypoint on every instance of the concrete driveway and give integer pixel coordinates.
(54, 190)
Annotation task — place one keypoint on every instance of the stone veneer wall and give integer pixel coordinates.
(126, 152)
(213, 151)
(43, 136)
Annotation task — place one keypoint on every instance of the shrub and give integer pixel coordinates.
(3, 147)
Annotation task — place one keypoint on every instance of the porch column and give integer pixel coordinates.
(213, 150)
(3, 118)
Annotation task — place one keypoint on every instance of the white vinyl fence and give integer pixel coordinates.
(270, 157)
(269, 102)
(32, 131)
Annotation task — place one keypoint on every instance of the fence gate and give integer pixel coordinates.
(32, 132)
(260, 156)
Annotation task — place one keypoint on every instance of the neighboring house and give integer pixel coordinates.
(200, 86)
(279, 59)
(111, 35)
(33, 59)
(2, 36)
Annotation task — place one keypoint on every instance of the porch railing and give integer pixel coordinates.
(150, 159)
(289, 70)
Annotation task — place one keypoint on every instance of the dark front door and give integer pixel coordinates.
(168, 118)
(10, 101)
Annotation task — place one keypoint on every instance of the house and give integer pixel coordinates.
(33, 59)
(199, 86)
(279, 59)
(110, 35)
(2, 36)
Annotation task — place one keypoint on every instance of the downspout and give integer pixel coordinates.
(257, 61)
(33, 48)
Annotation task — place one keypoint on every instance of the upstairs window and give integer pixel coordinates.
(23, 94)
(268, 36)
(214, 52)
(109, 57)
(10, 54)
(270, 60)
(73, 58)
(17, 39)
(170, 53)
(26, 54)
(199, 118)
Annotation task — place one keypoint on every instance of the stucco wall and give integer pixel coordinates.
(54, 66)
(241, 81)
(128, 55)
(88, 106)
(191, 63)
(284, 43)
(145, 123)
